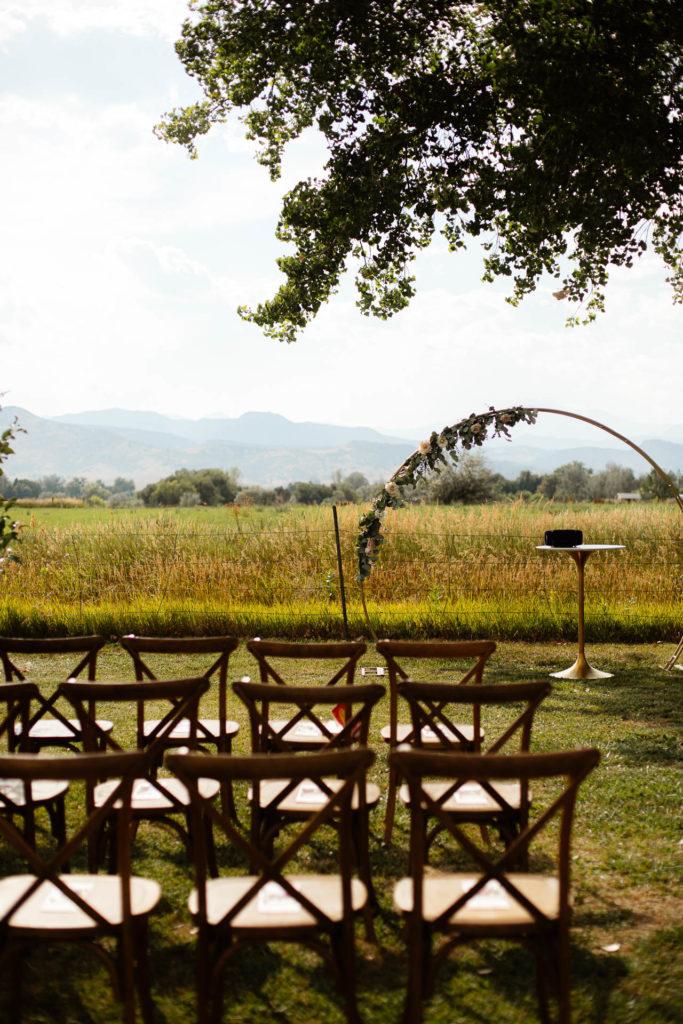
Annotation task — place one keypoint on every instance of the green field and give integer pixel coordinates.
(626, 936)
(444, 571)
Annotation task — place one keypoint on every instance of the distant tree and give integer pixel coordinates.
(263, 496)
(525, 483)
(211, 487)
(571, 482)
(652, 486)
(121, 485)
(95, 492)
(52, 484)
(611, 480)
(471, 482)
(74, 488)
(26, 488)
(308, 493)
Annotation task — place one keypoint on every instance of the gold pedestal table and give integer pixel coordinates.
(581, 669)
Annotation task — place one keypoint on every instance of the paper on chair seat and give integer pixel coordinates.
(310, 793)
(492, 897)
(305, 729)
(13, 789)
(273, 899)
(470, 793)
(57, 902)
(144, 791)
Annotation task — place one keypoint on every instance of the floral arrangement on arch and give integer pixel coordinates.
(465, 435)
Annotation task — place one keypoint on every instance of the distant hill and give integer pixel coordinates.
(262, 428)
(146, 446)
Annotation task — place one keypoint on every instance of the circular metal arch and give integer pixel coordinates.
(658, 469)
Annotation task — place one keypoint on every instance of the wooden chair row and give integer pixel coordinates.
(49, 726)
(273, 899)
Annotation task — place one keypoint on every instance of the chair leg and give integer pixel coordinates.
(361, 841)
(141, 939)
(343, 947)
(17, 965)
(418, 939)
(563, 977)
(391, 807)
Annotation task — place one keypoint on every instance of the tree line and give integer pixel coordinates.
(470, 482)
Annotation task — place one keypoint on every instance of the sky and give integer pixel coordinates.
(123, 262)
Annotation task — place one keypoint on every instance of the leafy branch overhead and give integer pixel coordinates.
(549, 129)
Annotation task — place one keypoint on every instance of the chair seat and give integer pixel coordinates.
(147, 798)
(404, 733)
(275, 907)
(204, 725)
(308, 797)
(42, 792)
(305, 733)
(52, 729)
(49, 909)
(471, 798)
(491, 904)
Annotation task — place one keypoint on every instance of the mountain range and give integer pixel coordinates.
(267, 448)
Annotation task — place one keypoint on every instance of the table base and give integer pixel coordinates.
(581, 670)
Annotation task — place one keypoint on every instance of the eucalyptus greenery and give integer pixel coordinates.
(429, 456)
(9, 527)
(550, 130)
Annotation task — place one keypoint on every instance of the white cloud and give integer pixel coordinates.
(74, 17)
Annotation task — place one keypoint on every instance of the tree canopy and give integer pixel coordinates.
(549, 129)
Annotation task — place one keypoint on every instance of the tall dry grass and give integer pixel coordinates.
(457, 569)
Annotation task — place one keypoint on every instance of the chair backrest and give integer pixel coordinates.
(15, 714)
(16, 699)
(268, 651)
(434, 707)
(88, 646)
(180, 697)
(272, 865)
(48, 866)
(477, 652)
(217, 649)
(567, 768)
(307, 716)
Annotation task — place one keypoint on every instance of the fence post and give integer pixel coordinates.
(341, 571)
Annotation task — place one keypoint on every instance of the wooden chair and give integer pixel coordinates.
(212, 733)
(307, 719)
(432, 710)
(48, 727)
(492, 899)
(269, 653)
(477, 652)
(49, 905)
(155, 798)
(16, 798)
(273, 901)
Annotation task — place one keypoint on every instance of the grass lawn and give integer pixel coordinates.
(626, 961)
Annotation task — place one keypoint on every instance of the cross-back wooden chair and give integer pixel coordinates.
(492, 899)
(16, 798)
(273, 900)
(475, 652)
(155, 798)
(48, 727)
(50, 905)
(269, 652)
(308, 709)
(212, 733)
(433, 708)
